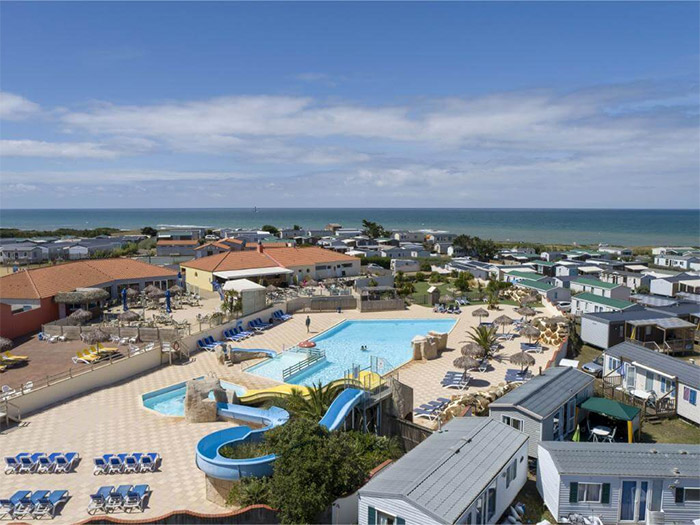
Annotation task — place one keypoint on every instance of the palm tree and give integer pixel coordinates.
(232, 303)
(492, 299)
(484, 337)
(312, 405)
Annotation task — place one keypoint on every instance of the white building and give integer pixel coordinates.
(601, 288)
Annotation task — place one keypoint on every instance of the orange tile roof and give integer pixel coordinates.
(271, 257)
(218, 244)
(177, 243)
(49, 280)
(306, 256)
(227, 261)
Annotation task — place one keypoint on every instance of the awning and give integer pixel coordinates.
(252, 272)
(242, 285)
(610, 408)
(663, 322)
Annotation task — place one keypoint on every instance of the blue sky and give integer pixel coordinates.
(365, 104)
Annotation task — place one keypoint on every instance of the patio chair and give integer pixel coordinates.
(136, 498)
(611, 437)
(98, 501)
(64, 462)
(7, 506)
(48, 505)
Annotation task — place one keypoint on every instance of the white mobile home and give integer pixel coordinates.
(620, 482)
(545, 406)
(586, 302)
(469, 472)
(601, 288)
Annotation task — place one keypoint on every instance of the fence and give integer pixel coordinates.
(382, 305)
(144, 334)
(322, 303)
(410, 434)
(315, 356)
(251, 515)
(82, 378)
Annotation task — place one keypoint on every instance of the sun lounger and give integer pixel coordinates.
(9, 356)
(45, 465)
(8, 506)
(460, 382)
(12, 464)
(281, 315)
(131, 463)
(48, 505)
(116, 498)
(6, 391)
(149, 462)
(26, 505)
(136, 498)
(428, 414)
(531, 347)
(107, 349)
(101, 466)
(211, 343)
(98, 501)
(231, 335)
(64, 462)
(115, 464)
(29, 464)
(517, 376)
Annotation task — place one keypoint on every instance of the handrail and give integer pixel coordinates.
(314, 357)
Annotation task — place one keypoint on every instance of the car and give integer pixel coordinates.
(564, 306)
(595, 367)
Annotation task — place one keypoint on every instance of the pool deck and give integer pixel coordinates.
(113, 420)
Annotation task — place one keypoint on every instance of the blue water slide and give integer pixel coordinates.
(269, 353)
(213, 464)
(341, 407)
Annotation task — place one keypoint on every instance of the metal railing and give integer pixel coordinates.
(314, 357)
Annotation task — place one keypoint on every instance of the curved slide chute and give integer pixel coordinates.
(213, 464)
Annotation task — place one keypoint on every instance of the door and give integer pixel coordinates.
(633, 501)
(631, 378)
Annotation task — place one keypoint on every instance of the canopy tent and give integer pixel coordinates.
(614, 410)
(242, 285)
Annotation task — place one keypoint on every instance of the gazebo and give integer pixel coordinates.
(615, 411)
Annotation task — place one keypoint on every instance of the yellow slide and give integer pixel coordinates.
(367, 380)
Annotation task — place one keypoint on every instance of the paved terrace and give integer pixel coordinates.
(112, 420)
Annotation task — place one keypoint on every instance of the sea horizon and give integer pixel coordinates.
(633, 227)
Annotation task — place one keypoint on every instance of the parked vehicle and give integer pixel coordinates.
(595, 367)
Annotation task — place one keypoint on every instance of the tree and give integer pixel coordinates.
(435, 278)
(270, 228)
(462, 281)
(149, 231)
(296, 227)
(420, 276)
(425, 266)
(483, 249)
(406, 289)
(314, 405)
(492, 299)
(232, 303)
(485, 337)
(373, 229)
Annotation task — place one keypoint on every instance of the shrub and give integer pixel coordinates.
(245, 450)
(249, 491)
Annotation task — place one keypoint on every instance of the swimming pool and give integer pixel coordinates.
(170, 400)
(387, 340)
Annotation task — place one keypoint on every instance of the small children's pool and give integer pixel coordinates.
(170, 400)
(385, 340)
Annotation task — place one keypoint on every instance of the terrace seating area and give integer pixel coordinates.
(41, 463)
(126, 463)
(25, 504)
(124, 498)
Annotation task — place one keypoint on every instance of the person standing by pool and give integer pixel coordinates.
(308, 323)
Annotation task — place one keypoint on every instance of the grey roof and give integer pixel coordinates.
(679, 277)
(445, 473)
(653, 300)
(625, 459)
(545, 393)
(664, 322)
(687, 373)
(625, 315)
(679, 309)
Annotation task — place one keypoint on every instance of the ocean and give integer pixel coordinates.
(582, 226)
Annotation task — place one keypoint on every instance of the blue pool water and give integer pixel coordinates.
(171, 400)
(388, 340)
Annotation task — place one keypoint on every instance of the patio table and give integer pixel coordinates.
(600, 431)
(641, 394)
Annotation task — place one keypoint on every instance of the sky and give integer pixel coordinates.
(543, 105)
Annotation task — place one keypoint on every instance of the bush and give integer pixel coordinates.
(249, 491)
(384, 262)
(245, 450)
(425, 266)
(420, 276)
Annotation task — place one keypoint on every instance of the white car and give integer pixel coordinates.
(564, 306)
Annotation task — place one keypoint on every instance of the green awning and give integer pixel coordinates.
(610, 408)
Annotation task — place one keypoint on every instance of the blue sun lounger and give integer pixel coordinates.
(64, 463)
(149, 462)
(26, 505)
(7, 506)
(48, 505)
(98, 501)
(136, 498)
(116, 498)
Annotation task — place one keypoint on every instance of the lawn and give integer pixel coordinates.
(674, 430)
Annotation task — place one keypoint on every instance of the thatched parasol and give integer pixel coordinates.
(473, 350)
(480, 312)
(80, 316)
(465, 362)
(530, 299)
(525, 311)
(150, 289)
(156, 293)
(96, 336)
(523, 359)
(128, 316)
(503, 320)
(131, 293)
(82, 296)
(529, 331)
(5, 344)
(176, 289)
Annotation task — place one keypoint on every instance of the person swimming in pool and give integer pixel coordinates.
(363, 348)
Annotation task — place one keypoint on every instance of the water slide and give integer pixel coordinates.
(213, 464)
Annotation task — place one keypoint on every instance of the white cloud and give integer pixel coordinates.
(109, 177)
(15, 107)
(70, 150)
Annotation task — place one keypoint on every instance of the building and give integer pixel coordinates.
(544, 407)
(269, 265)
(27, 297)
(616, 250)
(23, 253)
(174, 248)
(405, 265)
(480, 270)
(394, 252)
(600, 288)
(620, 482)
(631, 280)
(553, 294)
(584, 303)
(544, 267)
(670, 286)
(674, 382)
(606, 329)
(182, 234)
(513, 276)
(678, 262)
(434, 237)
(469, 472)
(456, 251)
(409, 236)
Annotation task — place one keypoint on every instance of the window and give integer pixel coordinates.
(589, 492)
(649, 382)
(491, 505)
(511, 473)
(691, 494)
(514, 422)
(613, 363)
(385, 519)
(690, 395)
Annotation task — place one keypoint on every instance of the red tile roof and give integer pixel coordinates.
(178, 243)
(49, 280)
(218, 244)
